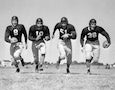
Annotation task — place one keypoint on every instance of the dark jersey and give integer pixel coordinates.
(35, 31)
(16, 32)
(68, 29)
(92, 35)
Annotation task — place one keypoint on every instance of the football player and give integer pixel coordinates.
(92, 45)
(38, 34)
(13, 35)
(67, 32)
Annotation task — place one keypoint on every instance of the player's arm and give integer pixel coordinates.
(47, 34)
(55, 28)
(104, 33)
(25, 34)
(30, 36)
(7, 35)
(73, 34)
(82, 37)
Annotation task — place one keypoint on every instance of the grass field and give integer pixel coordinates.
(53, 79)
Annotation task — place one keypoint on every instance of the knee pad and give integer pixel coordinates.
(88, 51)
(17, 54)
(62, 57)
(42, 48)
(88, 57)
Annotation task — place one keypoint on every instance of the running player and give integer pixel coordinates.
(67, 32)
(37, 34)
(13, 35)
(92, 45)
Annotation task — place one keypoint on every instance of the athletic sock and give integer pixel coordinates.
(68, 71)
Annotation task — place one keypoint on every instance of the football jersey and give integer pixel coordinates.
(41, 31)
(16, 32)
(68, 29)
(93, 35)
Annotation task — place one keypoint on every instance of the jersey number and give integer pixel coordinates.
(15, 31)
(63, 31)
(39, 33)
(92, 35)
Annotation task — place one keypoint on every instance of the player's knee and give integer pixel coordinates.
(88, 47)
(36, 61)
(16, 55)
(69, 62)
(69, 52)
(62, 57)
(14, 63)
(88, 57)
(96, 59)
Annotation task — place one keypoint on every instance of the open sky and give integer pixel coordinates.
(78, 12)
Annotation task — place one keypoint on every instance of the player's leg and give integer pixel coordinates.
(18, 52)
(88, 55)
(22, 61)
(17, 56)
(12, 51)
(35, 55)
(68, 49)
(42, 55)
(96, 53)
(21, 49)
(62, 53)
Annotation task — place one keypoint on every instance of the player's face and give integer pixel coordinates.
(39, 24)
(92, 26)
(64, 24)
(14, 23)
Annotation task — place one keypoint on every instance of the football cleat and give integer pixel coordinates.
(17, 70)
(68, 71)
(57, 65)
(40, 68)
(36, 68)
(22, 62)
(88, 71)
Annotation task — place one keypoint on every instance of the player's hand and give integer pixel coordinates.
(38, 37)
(65, 36)
(47, 38)
(108, 45)
(13, 40)
(39, 46)
(52, 36)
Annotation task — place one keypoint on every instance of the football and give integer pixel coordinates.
(105, 44)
